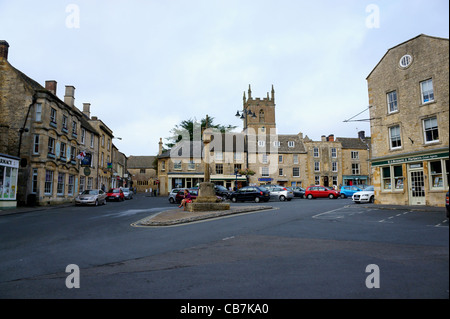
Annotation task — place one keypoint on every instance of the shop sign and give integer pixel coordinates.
(4, 161)
(411, 159)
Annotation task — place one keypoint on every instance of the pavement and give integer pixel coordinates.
(179, 216)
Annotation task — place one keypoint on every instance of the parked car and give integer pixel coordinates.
(173, 193)
(348, 191)
(222, 191)
(282, 193)
(180, 195)
(91, 197)
(447, 204)
(115, 194)
(127, 193)
(298, 191)
(365, 196)
(254, 193)
(318, 191)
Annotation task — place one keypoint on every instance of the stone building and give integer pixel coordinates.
(409, 104)
(143, 173)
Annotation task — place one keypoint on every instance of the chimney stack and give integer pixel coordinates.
(323, 138)
(87, 109)
(330, 138)
(69, 97)
(4, 50)
(51, 86)
(362, 135)
(160, 146)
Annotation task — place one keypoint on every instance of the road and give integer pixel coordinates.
(299, 249)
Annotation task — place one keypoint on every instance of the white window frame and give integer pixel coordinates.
(48, 185)
(296, 171)
(356, 169)
(392, 102)
(264, 171)
(60, 184)
(36, 144)
(334, 166)
(391, 137)
(316, 166)
(295, 158)
(354, 154)
(92, 140)
(432, 129)
(333, 152)
(291, 144)
(316, 152)
(83, 135)
(426, 91)
(38, 112)
(53, 115)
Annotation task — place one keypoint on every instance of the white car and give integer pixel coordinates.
(365, 196)
(282, 193)
(173, 193)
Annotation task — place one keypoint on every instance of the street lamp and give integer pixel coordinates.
(243, 115)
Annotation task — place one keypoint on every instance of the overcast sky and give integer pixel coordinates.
(147, 65)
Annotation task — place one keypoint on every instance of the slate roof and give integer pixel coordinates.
(354, 142)
(140, 161)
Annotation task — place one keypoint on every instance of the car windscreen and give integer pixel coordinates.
(114, 191)
(125, 189)
(90, 192)
(369, 188)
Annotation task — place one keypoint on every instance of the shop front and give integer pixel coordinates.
(420, 179)
(9, 167)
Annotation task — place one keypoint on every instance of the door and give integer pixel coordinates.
(416, 188)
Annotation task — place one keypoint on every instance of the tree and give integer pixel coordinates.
(191, 126)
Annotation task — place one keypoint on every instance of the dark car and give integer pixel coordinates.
(115, 194)
(298, 191)
(222, 191)
(447, 204)
(253, 193)
(320, 191)
(180, 195)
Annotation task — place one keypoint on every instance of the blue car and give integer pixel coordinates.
(348, 191)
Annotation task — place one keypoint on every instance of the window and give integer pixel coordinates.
(316, 180)
(51, 145)
(436, 175)
(264, 159)
(142, 171)
(354, 155)
(316, 166)
(392, 102)
(62, 151)
(280, 172)
(430, 127)
(177, 165)
(333, 152)
(191, 165)
(64, 123)
(163, 165)
(291, 143)
(335, 181)
(74, 128)
(295, 159)
(386, 174)
(70, 185)
(38, 112)
(52, 115)
(219, 168)
(334, 166)
(280, 158)
(83, 135)
(316, 152)
(102, 160)
(34, 181)
(261, 116)
(90, 182)
(398, 177)
(276, 143)
(296, 171)
(405, 60)
(82, 183)
(264, 171)
(218, 156)
(237, 167)
(109, 143)
(48, 186)
(103, 140)
(426, 88)
(261, 143)
(60, 185)
(394, 136)
(355, 169)
(36, 144)
(92, 140)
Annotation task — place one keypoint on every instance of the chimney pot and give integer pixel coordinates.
(51, 86)
(362, 135)
(330, 138)
(4, 50)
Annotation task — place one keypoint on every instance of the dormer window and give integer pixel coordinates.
(291, 143)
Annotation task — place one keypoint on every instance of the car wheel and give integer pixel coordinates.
(96, 202)
(342, 196)
(257, 199)
(171, 200)
(282, 198)
(310, 196)
(331, 196)
(289, 199)
(371, 199)
(104, 201)
(234, 199)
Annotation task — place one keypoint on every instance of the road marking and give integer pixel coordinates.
(226, 238)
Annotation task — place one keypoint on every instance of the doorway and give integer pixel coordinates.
(416, 186)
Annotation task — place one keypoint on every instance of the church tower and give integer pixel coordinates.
(262, 116)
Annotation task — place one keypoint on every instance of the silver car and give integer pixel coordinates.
(282, 193)
(127, 193)
(173, 193)
(91, 197)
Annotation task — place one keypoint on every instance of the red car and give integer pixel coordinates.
(320, 191)
(115, 194)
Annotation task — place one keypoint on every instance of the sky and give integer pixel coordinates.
(145, 66)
